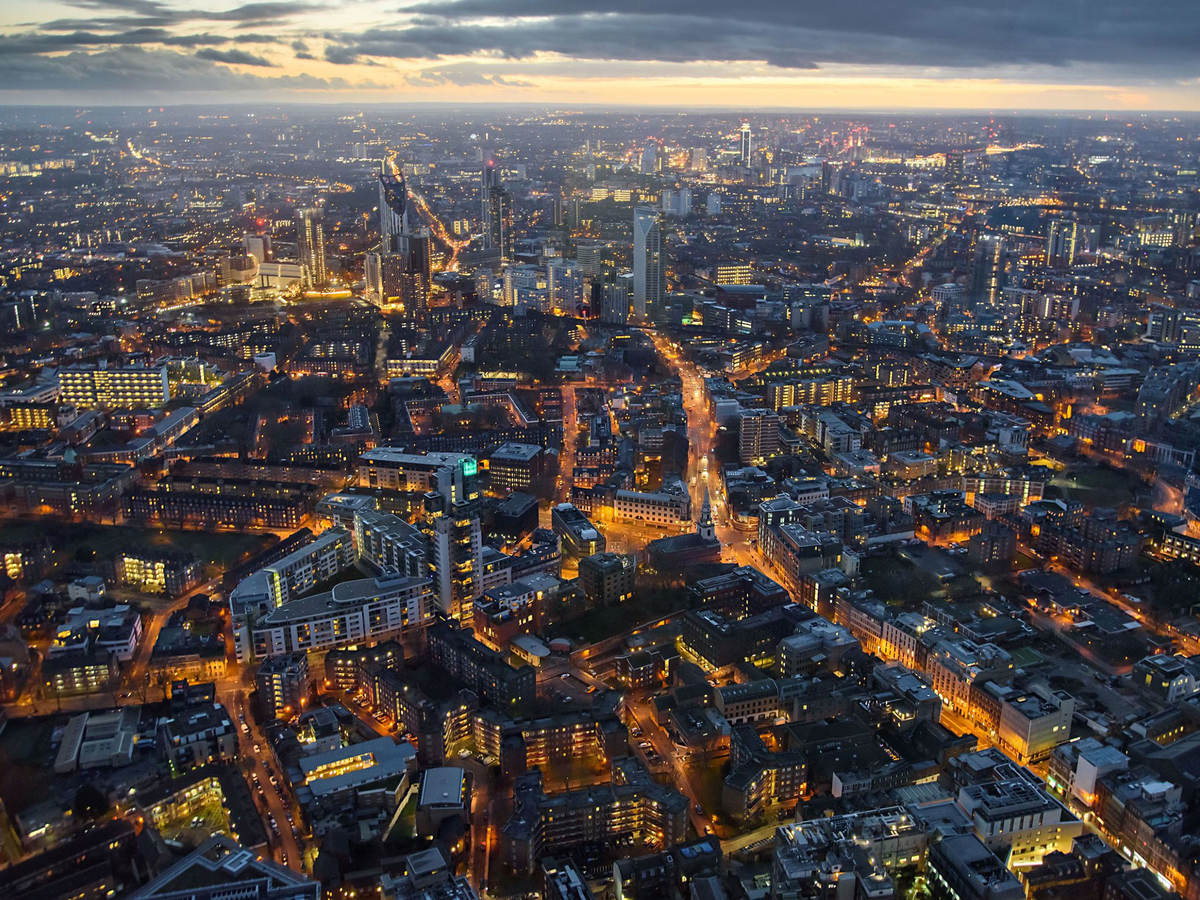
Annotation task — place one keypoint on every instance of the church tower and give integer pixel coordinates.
(705, 527)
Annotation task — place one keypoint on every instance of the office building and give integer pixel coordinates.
(515, 467)
(258, 246)
(608, 578)
(649, 274)
(221, 868)
(337, 775)
(962, 868)
(665, 509)
(747, 145)
(578, 535)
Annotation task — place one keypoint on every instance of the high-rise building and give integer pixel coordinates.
(258, 246)
(649, 277)
(1063, 240)
(455, 538)
(310, 245)
(677, 202)
(497, 211)
(611, 297)
(590, 256)
(989, 270)
(565, 284)
(758, 437)
(955, 166)
(747, 145)
(400, 272)
(417, 282)
(393, 208)
(650, 161)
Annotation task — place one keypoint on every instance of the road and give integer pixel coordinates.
(141, 661)
(673, 759)
(703, 468)
(271, 797)
(566, 461)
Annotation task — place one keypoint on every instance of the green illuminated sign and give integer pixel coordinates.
(470, 467)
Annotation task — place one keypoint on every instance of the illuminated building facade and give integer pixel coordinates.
(89, 387)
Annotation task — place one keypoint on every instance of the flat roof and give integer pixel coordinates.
(443, 786)
(335, 601)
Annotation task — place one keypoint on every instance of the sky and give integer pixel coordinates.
(736, 54)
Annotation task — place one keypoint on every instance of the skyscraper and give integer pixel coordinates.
(1062, 242)
(489, 181)
(400, 271)
(650, 162)
(747, 145)
(611, 297)
(496, 208)
(500, 223)
(393, 207)
(564, 281)
(455, 538)
(989, 270)
(310, 245)
(649, 277)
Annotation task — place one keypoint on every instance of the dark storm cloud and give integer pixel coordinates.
(803, 33)
(233, 57)
(151, 14)
(163, 71)
(24, 44)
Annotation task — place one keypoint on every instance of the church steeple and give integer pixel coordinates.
(705, 527)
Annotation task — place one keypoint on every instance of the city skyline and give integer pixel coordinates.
(762, 55)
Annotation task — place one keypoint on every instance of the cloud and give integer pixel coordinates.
(158, 73)
(152, 14)
(966, 34)
(233, 57)
(432, 44)
(461, 77)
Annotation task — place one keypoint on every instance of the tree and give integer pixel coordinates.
(90, 802)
